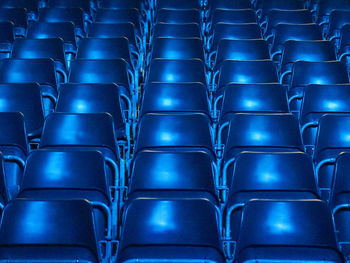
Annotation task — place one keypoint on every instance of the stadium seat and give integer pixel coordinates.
(14, 147)
(251, 49)
(229, 4)
(18, 17)
(287, 231)
(7, 36)
(85, 131)
(175, 97)
(64, 231)
(121, 4)
(244, 72)
(325, 8)
(179, 4)
(306, 51)
(281, 16)
(331, 139)
(31, 6)
(232, 31)
(337, 19)
(189, 30)
(176, 48)
(305, 73)
(67, 175)
(178, 16)
(318, 100)
(173, 174)
(263, 7)
(285, 32)
(344, 47)
(59, 15)
(42, 48)
(278, 176)
(160, 230)
(178, 132)
(176, 71)
(85, 5)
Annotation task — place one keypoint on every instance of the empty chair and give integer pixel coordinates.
(175, 97)
(318, 100)
(337, 19)
(31, 6)
(189, 175)
(102, 30)
(58, 15)
(180, 4)
(174, 71)
(280, 16)
(344, 46)
(14, 147)
(267, 176)
(103, 72)
(287, 231)
(278, 132)
(229, 4)
(331, 139)
(18, 17)
(7, 36)
(305, 73)
(64, 30)
(64, 231)
(251, 49)
(244, 72)
(52, 48)
(178, 16)
(303, 50)
(86, 5)
(191, 30)
(325, 8)
(41, 71)
(162, 131)
(24, 98)
(120, 4)
(252, 98)
(94, 98)
(232, 31)
(285, 32)
(263, 7)
(66, 175)
(85, 131)
(177, 48)
(145, 237)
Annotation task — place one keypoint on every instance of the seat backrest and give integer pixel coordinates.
(221, 15)
(83, 4)
(17, 16)
(7, 32)
(189, 30)
(179, 4)
(57, 15)
(178, 16)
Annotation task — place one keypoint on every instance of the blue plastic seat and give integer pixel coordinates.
(58, 15)
(278, 132)
(117, 30)
(305, 73)
(177, 48)
(85, 131)
(64, 230)
(281, 16)
(25, 98)
(244, 72)
(318, 100)
(252, 98)
(63, 30)
(7, 36)
(179, 132)
(175, 71)
(232, 31)
(115, 16)
(264, 7)
(98, 71)
(331, 139)
(178, 16)
(94, 98)
(229, 4)
(189, 30)
(14, 147)
(31, 6)
(170, 174)
(278, 176)
(285, 32)
(86, 5)
(337, 19)
(250, 49)
(298, 231)
(344, 47)
(160, 230)
(306, 51)
(52, 48)
(175, 97)
(41, 71)
(67, 175)
(18, 17)
(121, 4)
(179, 4)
